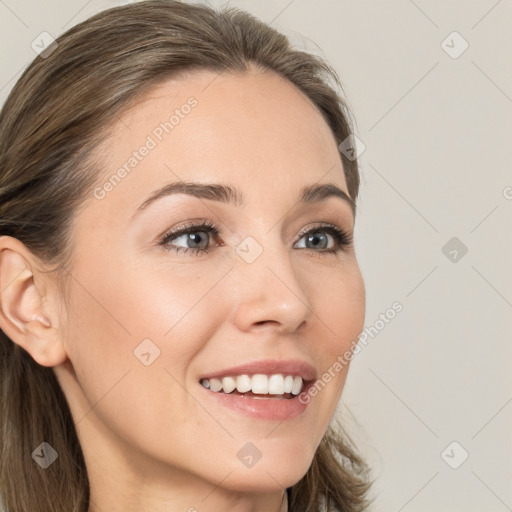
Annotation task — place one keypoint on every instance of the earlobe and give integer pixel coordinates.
(23, 315)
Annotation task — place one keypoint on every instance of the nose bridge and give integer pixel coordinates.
(269, 288)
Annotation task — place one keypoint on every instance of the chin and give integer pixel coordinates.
(264, 480)
(275, 470)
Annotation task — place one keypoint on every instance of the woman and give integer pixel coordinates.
(177, 271)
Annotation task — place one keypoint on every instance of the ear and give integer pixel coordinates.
(25, 315)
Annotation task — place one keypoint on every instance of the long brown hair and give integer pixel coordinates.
(50, 124)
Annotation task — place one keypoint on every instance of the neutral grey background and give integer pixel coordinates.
(436, 165)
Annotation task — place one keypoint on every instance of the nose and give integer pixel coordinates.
(270, 292)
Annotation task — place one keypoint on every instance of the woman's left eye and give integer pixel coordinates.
(199, 235)
(317, 237)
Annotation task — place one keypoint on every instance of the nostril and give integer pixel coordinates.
(266, 322)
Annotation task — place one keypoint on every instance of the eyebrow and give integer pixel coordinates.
(230, 195)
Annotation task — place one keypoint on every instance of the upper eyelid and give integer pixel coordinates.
(321, 225)
(181, 230)
(212, 227)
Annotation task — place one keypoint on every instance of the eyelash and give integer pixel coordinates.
(341, 237)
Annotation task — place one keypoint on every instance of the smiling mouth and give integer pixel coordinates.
(257, 386)
(274, 397)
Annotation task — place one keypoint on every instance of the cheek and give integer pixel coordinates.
(123, 316)
(132, 336)
(340, 303)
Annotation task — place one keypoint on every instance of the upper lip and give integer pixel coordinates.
(294, 367)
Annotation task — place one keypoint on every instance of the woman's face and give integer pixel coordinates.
(147, 320)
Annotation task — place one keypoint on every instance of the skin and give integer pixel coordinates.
(151, 440)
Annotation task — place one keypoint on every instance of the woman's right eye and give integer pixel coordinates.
(195, 234)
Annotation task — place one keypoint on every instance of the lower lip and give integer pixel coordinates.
(273, 409)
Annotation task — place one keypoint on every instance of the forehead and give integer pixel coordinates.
(253, 130)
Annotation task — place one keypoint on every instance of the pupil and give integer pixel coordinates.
(196, 238)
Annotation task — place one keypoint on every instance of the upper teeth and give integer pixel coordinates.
(275, 384)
